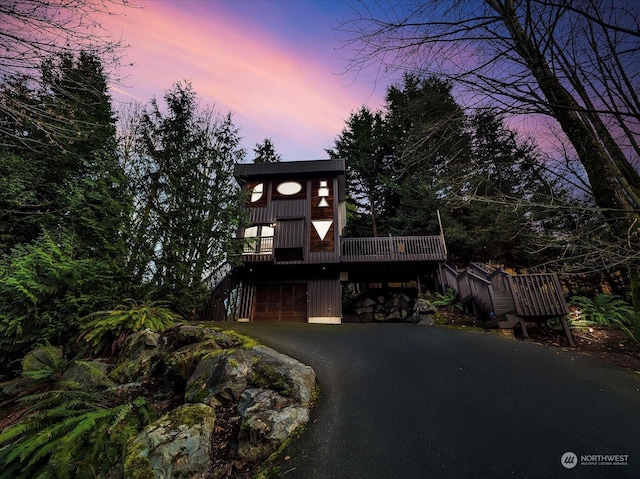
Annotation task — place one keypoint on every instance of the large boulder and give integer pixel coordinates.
(138, 355)
(268, 420)
(283, 374)
(273, 392)
(423, 313)
(177, 445)
(221, 376)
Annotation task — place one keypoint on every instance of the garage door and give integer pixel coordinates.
(280, 302)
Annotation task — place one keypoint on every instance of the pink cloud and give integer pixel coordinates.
(273, 89)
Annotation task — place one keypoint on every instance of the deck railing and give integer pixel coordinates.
(258, 249)
(538, 295)
(393, 248)
(495, 291)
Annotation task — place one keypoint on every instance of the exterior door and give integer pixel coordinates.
(280, 302)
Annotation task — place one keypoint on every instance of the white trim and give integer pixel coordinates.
(325, 319)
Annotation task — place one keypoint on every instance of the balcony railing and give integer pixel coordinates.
(258, 249)
(393, 248)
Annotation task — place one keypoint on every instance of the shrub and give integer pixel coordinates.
(604, 310)
(45, 288)
(105, 330)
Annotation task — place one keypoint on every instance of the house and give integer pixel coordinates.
(296, 260)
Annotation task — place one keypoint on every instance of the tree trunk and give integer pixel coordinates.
(607, 178)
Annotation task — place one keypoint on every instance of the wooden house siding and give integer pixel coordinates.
(297, 213)
(290, 233)
(246, 301)
(278, 209)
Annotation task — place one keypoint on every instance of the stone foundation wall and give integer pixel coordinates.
(377, 305)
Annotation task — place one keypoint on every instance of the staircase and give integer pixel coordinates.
(504, 300)
(219, 305)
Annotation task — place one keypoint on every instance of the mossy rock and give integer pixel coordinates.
(180, 364)
(188, 334)
(177, 445)
(266, 376)
(220, 377)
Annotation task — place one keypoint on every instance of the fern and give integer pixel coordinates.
(605, 310)
(44, 362)
(449, 299)
(45, 288)
(105, 329)
(71, 432)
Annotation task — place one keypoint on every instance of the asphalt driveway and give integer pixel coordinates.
(401, 401)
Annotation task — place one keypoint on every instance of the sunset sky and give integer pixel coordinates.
(274, 64)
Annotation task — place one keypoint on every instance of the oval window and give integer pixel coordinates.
(289, 188)
(256, 192)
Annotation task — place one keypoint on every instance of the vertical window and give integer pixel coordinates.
(260, 239)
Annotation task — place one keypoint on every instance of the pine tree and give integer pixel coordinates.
(266, 153)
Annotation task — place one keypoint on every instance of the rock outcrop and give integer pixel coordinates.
(272, 394)
(383, 306)
(177, 445)
(213, 390)
(393, 305)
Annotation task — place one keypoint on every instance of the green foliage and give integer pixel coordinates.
(71, 431)
(604, 310)
(187, 204)
(364, 144)
(449, 299)
(45, 288)
(105, 330)
(63, 203)
(44, 362)
(265, 152)
(424, 153)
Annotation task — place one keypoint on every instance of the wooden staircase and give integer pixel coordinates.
(218, 306)
(504, 300)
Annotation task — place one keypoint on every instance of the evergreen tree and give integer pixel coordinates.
(266, 153)
(499, 168)
(62, 209)
(187, 203)
(364, 144)
(423, 153)
(427, 128)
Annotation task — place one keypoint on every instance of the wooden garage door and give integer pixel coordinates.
(280, 302)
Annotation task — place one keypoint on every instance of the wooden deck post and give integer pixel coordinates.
(567, 331)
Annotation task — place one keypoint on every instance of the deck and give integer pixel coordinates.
(393, 249)
(365, 250)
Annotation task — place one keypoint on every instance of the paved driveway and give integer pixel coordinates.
(401, 401)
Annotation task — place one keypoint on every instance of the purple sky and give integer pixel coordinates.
(274, 64)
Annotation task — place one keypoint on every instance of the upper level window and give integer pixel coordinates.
(289, 188)
(256, 193)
